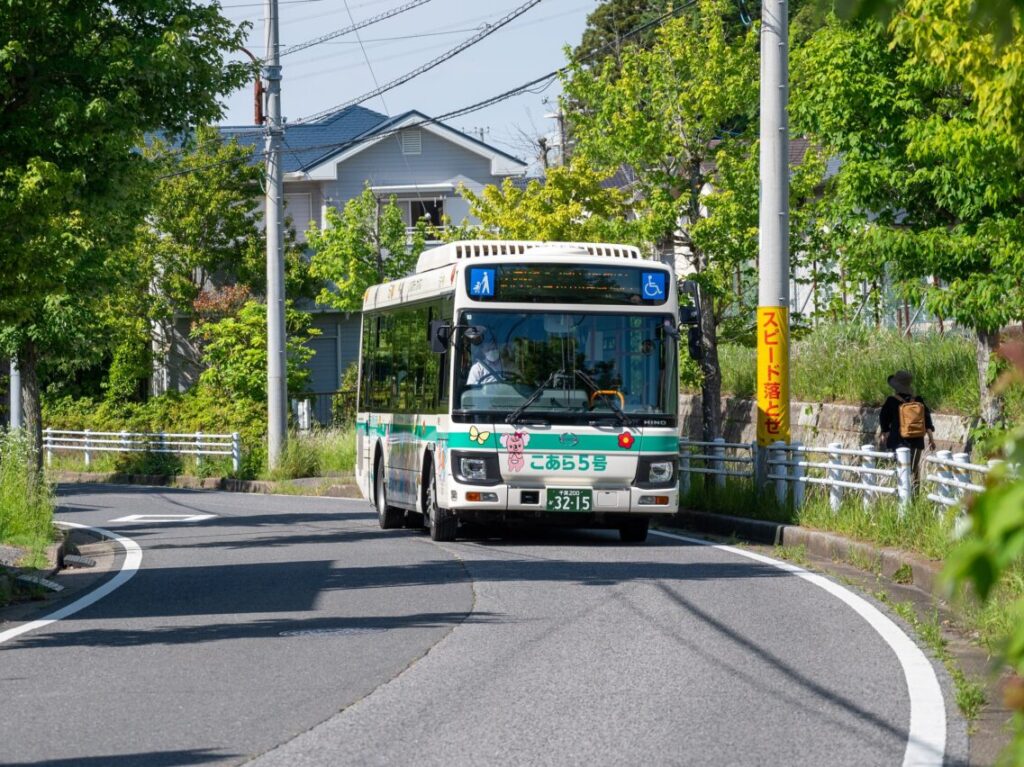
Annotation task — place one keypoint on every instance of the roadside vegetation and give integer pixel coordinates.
(26, 501)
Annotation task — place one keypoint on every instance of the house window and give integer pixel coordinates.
(412, 142)
(432, 210)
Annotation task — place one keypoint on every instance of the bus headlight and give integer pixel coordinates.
(476, 467)
(473, 469)
(655, 471)
(661, 472)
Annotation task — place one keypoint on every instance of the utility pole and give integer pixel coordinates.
(773, 257)
(14, 384)
(277, 364)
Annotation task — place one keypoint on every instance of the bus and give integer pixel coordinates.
(509, 380)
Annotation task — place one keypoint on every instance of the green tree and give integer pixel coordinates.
(363, 245)
(235, 352)
(80, 83)
(943, 187)
(571, 204)
(659, 112)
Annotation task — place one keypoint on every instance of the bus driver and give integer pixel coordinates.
(488, 366)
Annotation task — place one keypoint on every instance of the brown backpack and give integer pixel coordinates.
(912, 419)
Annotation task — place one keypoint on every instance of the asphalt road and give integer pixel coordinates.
(292, 631)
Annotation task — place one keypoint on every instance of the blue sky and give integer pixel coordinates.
(334, 72)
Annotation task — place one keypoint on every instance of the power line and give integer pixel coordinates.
(512, 92)
(353, 27)
(429, 65)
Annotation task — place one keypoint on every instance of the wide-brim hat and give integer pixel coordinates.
(900, 380)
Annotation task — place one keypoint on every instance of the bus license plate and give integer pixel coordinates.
(570, 500)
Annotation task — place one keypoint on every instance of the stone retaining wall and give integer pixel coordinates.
(817, 423)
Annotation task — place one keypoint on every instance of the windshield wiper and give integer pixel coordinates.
(516, 414)
(624, 419)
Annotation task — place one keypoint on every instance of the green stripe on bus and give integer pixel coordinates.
(606, 443)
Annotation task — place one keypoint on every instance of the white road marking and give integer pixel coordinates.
(156, 518)
(926, 737)
(132, 561)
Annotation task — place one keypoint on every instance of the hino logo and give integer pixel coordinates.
(569, 439)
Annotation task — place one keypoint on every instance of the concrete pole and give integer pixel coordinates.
(773, 258)
(277, 364)
(14, 384)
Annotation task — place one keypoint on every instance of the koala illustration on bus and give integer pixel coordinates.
(515, 443)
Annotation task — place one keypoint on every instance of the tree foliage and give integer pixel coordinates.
(363, 245)
(235, 352)
(926, 187)
(659, 112)
(80, 82)
(573, 203)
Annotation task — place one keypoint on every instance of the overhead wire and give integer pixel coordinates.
(354, 26)
(475, 107)
(491, 29)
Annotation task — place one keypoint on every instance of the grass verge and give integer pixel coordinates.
(26, 501)
(969, 693)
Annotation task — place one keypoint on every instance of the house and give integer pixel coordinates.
(421, 161)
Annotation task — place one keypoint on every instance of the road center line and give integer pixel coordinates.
(926, 737)
(132, 561)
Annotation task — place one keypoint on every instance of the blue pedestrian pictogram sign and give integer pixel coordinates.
(481, 283)
(652, 286)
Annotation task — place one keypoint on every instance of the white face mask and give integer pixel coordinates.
(492, 355)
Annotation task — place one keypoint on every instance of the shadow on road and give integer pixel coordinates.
(145, 759)
(286, 629)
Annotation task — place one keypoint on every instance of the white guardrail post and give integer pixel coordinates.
(684, 469)
(199, 449)
(48, 444)
(835, 492)
(961, 473)
(904, 478)
(88, 453)
(799, 472)
(942, 470)
(778, 453)
(236, 452)
(719, 463)
(867, 461)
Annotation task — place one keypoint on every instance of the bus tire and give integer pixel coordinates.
(634, 530)
(443, 524)
(388, 517)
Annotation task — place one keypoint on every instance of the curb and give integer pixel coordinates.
(924, 572)
(187, 482)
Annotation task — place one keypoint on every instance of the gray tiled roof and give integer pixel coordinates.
(308, 144)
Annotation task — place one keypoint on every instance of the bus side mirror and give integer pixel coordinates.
(693, 343)
(440, 336)
(688, 315)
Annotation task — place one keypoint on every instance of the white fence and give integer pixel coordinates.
(953, 476)
(872, 474)
(197, 444)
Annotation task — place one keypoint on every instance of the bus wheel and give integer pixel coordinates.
(634, 530)
(387, 516)
(443, 524)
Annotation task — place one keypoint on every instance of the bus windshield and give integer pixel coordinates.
(565, 366)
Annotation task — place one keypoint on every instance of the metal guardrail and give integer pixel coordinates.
(793, 467)
(872, 473)
(196, 444)
(717, 458)
(953, 477)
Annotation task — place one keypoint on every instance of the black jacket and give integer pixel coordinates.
(889, 421)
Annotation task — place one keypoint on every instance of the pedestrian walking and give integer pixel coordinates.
(905, 421)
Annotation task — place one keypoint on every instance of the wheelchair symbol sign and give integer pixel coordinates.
(481, 283)
(652, 285)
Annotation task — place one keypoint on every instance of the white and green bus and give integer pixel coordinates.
(521, 381)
